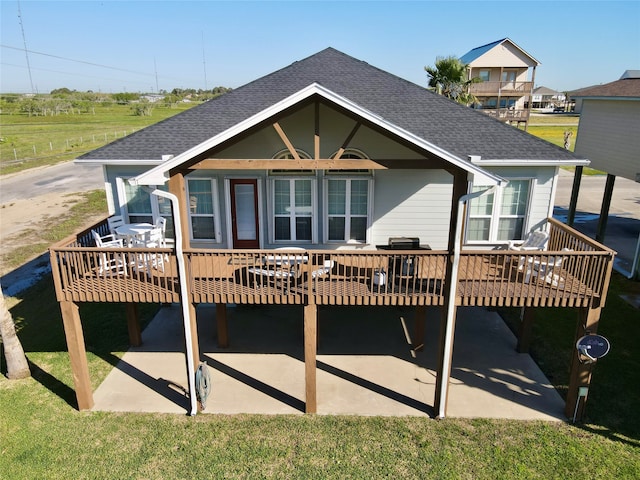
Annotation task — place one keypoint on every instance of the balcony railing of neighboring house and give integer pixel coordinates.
(507, 114)
(503, 88)
(574, 272)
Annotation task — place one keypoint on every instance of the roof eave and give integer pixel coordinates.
(531, 163)
(97, 161)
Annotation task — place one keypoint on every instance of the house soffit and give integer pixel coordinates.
(301, 99)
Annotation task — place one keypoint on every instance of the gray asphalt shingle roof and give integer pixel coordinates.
(628, 87)
(438, 120)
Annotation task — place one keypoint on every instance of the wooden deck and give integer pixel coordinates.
(573, 272)
(413, 277)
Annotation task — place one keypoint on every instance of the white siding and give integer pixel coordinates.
(609, 136)
(412, 203)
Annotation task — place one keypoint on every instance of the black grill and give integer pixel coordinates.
(403, 243)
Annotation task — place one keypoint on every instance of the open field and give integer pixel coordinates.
(33, 141)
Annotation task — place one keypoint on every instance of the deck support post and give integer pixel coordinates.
(604, 209)
(525, 329)
(221, 324)
(133, 324)
(77, 354)
(420, 328)
(177, 186)
(580, 373)
(575, 191)
(310, 351)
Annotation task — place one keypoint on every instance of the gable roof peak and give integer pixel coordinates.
(477, 52)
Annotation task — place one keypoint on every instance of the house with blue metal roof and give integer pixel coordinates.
(507, 76)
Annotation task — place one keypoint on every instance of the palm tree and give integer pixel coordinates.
(448, 78)
(17, 366)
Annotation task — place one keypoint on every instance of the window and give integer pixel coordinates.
(139, 206)
(508, 102)
(292, 202)
(347, 205)
(293, 209)
(499, 216)
(347, 202)
(509, 76)
(484, 75)
(202, 194)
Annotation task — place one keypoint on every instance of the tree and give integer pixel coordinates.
(17, 366)
(448, 78)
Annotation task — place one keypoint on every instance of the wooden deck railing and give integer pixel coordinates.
(485, 88)
(573, 272)
(504, 114)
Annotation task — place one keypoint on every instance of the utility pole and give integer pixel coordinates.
(26, 52)
(155, 68)
(204, 64)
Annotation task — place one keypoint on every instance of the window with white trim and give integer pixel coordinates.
(292, 202)
(203, 208)
(499, 216)
(293, 209)
(347, 195)
(347, 203)
(139, 206)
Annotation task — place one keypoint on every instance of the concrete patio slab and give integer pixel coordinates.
(366, 366)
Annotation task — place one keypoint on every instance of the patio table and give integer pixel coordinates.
(131, 231)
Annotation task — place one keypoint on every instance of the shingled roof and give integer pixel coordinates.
(625, 87)
(459, 130)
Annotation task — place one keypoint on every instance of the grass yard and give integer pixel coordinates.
(43, 436)
(45, 140)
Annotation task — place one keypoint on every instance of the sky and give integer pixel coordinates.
(145, 46)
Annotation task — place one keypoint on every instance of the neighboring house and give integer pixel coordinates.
(333, 157)
(546, 98)
(507, 75)
(624, 87)
(608, 135)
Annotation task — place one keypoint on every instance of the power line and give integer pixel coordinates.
(141, 82)
(86, 63)
(74, 60)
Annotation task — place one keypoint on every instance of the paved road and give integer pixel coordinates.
(64, 177)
